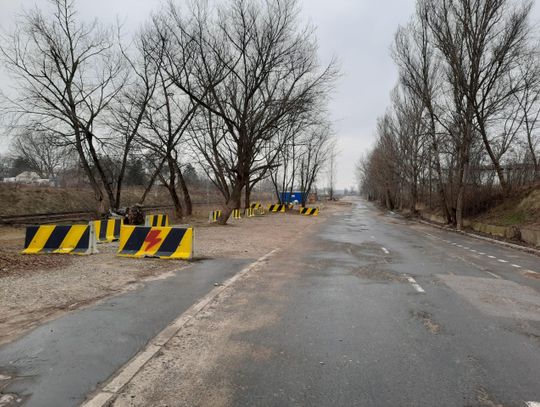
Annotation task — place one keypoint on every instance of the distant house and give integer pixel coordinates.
(28, 177)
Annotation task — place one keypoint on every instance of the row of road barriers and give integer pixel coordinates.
(256, 209)
(165, 242)
(155, 239)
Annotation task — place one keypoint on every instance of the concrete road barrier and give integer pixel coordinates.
(70, 239)
(309, 211)
(255, 205)
(157, 220)
(249, 212)
(214, 216)
(107, 230)
(163, 242)
(236, 214)
(277, 208)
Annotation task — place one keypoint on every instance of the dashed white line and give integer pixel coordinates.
(481, 253)
(474, 251)
(385, 250)
(415, 285)
(493, 274)
(491, 257)
(502, 261)
(516, 266)
(532, 404)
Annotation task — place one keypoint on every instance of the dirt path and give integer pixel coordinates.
(34, 289)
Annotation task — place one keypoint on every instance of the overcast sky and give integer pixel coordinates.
(357, 32)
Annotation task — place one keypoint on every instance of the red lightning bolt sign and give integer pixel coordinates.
(152, 239)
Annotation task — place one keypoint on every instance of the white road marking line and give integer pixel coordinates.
(474, 251)
(126, 373)
(482, 253)
(415, 285)
(532, 404)
(516, 266)
(493, 274)
(502, 261)
(384, 249)
(491, 257)
(465, 247)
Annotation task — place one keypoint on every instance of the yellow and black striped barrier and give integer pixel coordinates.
(71, 239)
(236, 214)
(163, 242)
(256, 205)
(249, 212)
(107, 230)
(277, 208)
(214, 216)
(157, 220)
(309, 211)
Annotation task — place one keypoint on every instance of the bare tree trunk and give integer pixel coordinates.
(171, 187)
(185, 192)
(247, 196)
(151, 182)
(231, 204)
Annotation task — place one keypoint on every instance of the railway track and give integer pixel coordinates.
(43, 218)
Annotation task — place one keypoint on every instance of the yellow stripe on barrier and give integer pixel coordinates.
(162, 242)
(249, 212)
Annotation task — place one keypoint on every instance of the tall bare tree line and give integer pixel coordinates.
(463, 122)
(228, 85)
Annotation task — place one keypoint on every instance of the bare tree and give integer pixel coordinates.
(66, 74)
(254, 70)
(43, 153)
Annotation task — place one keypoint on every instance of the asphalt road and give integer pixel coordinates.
(60, 362)
(375, 311)
(387, 312)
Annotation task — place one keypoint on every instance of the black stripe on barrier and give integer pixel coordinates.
(136, 240)
(171, 242)
(164, 220)
(103, 229)
(117, 226)
(30, 233)
(84, 242)
(56, 238)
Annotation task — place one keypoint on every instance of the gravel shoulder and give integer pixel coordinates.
(35, 289)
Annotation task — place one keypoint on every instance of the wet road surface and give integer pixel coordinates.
(62, 361)
(387, 312)
(373, 310)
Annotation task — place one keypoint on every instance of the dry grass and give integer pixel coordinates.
(522, 208)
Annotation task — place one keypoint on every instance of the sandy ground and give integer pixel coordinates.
(34, 289)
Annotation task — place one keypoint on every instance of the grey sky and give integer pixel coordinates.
(357, 32)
